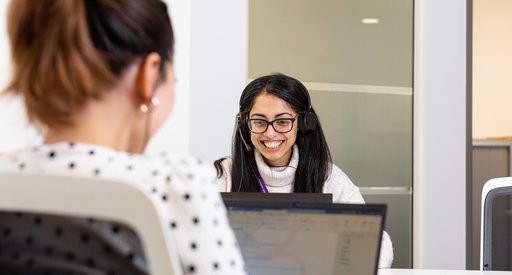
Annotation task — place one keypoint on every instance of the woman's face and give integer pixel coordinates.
(276, 148)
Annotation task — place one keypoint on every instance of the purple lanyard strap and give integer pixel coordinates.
(263, 187)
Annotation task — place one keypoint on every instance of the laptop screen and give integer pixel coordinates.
(308, 238)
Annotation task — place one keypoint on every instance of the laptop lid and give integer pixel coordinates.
(283, 198)
(279, 238)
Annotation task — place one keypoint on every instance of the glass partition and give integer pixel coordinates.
(356, 58)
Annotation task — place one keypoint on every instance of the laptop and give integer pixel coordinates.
(283, 238)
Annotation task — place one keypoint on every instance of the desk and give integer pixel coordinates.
(394, 271)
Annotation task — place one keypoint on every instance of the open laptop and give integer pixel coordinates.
(283, 238)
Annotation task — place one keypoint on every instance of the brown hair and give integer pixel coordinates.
(65, 51)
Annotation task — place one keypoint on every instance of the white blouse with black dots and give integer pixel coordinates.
(186, 188)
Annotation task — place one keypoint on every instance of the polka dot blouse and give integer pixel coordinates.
(185, 187)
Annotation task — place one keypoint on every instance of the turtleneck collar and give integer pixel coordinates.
(278, 176)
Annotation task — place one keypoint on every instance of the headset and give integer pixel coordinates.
(307, 121)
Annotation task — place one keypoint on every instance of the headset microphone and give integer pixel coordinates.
(240, 124)
(243, 140)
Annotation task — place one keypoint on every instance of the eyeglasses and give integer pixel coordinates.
(280, 125)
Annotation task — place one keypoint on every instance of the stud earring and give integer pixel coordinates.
(146, 107)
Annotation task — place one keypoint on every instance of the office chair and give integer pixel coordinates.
(496, 225)
(102, 199)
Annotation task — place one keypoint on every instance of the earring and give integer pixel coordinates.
(146, 107)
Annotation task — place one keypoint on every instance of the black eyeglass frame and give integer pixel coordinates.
(292, 119)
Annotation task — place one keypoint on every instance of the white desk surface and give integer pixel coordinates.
(394, 271)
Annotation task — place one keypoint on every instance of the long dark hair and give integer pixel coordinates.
(314, 156)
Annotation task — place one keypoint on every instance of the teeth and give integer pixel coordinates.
(272, 144)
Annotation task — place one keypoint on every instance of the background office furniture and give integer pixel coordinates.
(83, 197)
(496, 228)
(491, 159)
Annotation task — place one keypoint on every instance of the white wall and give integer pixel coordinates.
(439, 134)
(218, 73)
(492, 68)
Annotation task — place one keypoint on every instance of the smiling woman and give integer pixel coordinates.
(292, 156)
(278, 98)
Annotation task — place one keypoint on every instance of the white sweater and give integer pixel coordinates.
(281, 179)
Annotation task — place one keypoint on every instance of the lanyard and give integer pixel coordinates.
(263, 187)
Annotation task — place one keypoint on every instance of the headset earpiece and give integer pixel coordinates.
(239, 121)
(242, 122)
(307, 122)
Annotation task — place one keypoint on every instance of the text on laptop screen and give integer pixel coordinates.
(307, 241)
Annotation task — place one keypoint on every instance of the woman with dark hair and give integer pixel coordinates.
(98, 76)
(279, 146)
